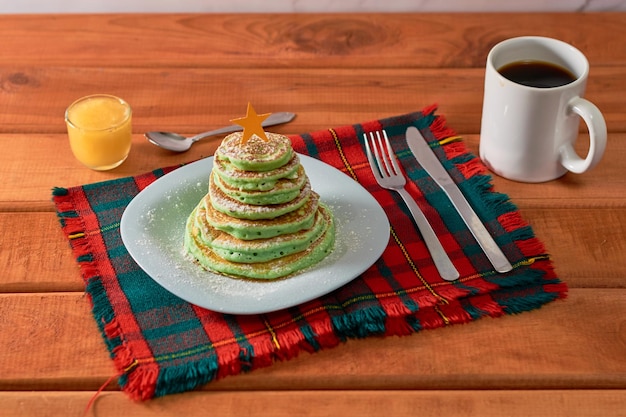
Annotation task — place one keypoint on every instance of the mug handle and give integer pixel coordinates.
(597, 137)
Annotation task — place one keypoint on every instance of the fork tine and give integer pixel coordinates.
(373, 161)
(377, 156)
(392, 155)
(383, 156)
(368, 151)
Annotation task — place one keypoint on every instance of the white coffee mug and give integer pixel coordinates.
(528, 132)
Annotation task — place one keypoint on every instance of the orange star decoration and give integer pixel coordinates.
(252, 125)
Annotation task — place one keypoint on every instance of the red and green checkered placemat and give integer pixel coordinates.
(161, 344)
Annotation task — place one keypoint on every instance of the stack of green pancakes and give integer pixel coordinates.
(260, 218)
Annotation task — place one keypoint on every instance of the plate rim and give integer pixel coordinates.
(312, 165)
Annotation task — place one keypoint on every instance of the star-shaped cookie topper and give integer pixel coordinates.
(252, 125)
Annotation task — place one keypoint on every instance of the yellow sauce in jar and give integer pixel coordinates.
(99, 129)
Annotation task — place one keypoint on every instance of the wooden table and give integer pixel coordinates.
(189, 73)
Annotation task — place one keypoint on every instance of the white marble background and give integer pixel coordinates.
(304, 6)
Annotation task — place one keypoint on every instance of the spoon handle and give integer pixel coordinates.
(273, 119)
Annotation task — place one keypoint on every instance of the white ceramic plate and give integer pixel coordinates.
(153, 225)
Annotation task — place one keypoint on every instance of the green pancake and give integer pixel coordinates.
(240, 210)
(246, 229)
(283, 191)
(255, 180)
(256, 154)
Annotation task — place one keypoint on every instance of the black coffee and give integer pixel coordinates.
(537, 74)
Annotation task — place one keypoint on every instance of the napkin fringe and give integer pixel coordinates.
(361, 323)
(138, 381)
(529, 298)
(481, 306)
(401, 326)
(263, 352)
(323, 335)
(438, 124)
(74, 230)
(181, 379)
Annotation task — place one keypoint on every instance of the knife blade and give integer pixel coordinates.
(431, 164)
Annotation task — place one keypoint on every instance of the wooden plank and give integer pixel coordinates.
(197, 99)
(50, 163)
(430, 403)
(586, 245)
(30, 266)
(577, 343)
(429, 40)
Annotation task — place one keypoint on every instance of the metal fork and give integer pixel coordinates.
(388, 175)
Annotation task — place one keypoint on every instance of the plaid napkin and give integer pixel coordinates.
(161, 344)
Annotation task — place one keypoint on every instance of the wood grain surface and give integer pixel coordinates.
(190, 73)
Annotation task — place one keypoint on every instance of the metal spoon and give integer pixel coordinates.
(178, 143)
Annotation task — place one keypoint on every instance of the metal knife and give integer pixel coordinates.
(429, 161)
